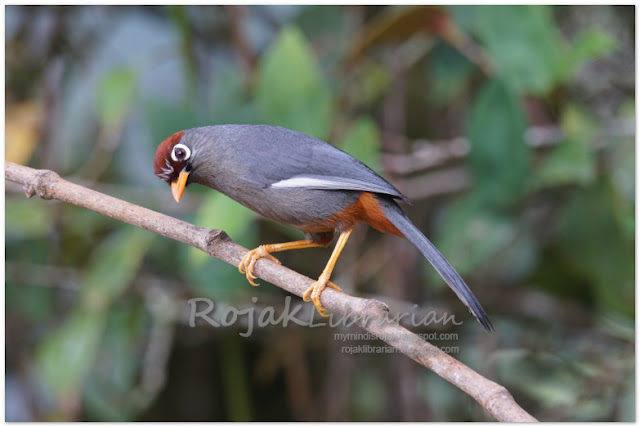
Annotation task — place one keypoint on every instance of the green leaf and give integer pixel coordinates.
(576, 123)
(109, 392)
(113, 266)
(524, 44)
(290, 89)
(593, 246)
(589, 45)
(499, 157)
(65, 358)
(115, 92)
(572, 161)
(362, 141)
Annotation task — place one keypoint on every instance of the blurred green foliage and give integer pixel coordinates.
(287, 80)
(362, 141)
(66, 357)
(114, 96)
(521, 117)
(499, 158)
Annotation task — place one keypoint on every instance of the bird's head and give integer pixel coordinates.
(174, 162)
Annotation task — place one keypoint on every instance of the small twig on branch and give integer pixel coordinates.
(368, 314)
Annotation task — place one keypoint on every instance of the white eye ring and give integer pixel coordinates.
(187, 153)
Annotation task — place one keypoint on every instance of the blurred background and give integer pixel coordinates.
(510, 128)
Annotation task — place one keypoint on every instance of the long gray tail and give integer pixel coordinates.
(395, 214)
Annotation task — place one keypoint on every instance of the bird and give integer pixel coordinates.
(301, 182)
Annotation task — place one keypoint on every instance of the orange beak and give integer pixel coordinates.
(177, 187)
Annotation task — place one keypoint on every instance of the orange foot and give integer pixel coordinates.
(316, 290)
(248, 262)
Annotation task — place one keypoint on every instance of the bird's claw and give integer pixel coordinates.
(248, 262)
(316, 290)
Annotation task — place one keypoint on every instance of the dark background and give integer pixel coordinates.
(511, 129)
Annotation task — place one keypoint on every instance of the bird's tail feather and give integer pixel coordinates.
(395, 214)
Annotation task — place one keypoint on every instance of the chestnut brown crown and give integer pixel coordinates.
(170, 158)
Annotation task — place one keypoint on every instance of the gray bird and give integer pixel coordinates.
(301, 182)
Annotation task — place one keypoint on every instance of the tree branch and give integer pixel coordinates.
(370, 315)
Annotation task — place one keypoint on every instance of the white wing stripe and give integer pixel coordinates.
(336, 183)
(303, 181)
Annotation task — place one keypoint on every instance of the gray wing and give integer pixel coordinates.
(288, 159)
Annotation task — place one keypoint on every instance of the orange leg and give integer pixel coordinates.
(248, 262)
(316, 289)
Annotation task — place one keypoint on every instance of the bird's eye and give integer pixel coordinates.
(180, 152)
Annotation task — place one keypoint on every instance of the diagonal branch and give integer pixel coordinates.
(370, 315)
